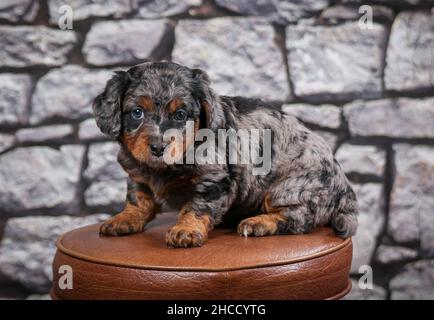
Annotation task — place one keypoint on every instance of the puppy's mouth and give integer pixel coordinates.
(156, 161)
(156, 158)
(161, 158)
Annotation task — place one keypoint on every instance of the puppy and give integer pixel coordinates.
(304, 188)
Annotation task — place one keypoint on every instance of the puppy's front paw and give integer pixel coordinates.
(184, 236)
(120, 225)
(258, 226)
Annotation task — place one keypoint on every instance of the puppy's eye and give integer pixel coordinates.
(180, 115)
(137, 113)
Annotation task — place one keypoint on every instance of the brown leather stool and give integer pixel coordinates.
(140, 266)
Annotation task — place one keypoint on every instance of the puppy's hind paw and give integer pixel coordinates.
(258, 226)
(244, 229)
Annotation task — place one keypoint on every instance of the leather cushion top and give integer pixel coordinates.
(225, 250)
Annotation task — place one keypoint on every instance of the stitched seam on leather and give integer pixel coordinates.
(343, 245)
(337, 296)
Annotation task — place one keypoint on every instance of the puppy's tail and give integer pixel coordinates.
(345, 224)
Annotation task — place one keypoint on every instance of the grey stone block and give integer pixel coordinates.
(410, 53)
(40, 177)
(89, 130)
(327, 116)
(152, 9)
(371, 221)
(83, 9)
(123, 42)
(106, 178)
(367, 160)
(390, 254)
(400, 118)
(67, 93)
(336, 62)
(280, 11)
(44, 134)
(411, 215)
(23, 46)
(16, 10)
(6, 141)
(415, 282)
(14, 98)
(249, 65)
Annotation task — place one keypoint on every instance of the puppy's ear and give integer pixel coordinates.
(210, 106)
(107, 106)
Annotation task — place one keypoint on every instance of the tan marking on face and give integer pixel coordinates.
(138, 145)
(147, 103)
(261, 225)
(175, 104)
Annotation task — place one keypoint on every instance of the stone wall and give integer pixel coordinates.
(369, 92)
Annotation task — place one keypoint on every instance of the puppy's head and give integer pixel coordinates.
(138, 106)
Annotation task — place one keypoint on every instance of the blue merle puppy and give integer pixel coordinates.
(305, 188)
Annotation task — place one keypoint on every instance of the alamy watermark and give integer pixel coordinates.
(366, 21)
(65, 21)
(244, 146)
(366, 280)
(66, 281)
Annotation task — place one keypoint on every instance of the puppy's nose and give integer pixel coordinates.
(157, 149)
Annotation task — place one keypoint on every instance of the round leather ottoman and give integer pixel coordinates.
(140, 266)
